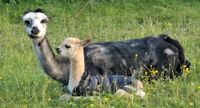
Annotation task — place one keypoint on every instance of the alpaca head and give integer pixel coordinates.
(72, 47)
(35, 22)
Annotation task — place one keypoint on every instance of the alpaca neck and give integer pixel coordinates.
(77, 69)
(50, 64)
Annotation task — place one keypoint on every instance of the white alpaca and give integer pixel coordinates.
(73, 48)
(55, 67)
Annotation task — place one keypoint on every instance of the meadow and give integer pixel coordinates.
(23, 83)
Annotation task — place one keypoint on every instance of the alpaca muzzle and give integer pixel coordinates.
(58, 50)
(35, 31)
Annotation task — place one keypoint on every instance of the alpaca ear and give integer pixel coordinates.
(27, 12)
(85, 42)
(49, 18)
(39, 10)
(42, 11)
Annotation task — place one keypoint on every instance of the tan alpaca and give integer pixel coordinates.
(73, 49)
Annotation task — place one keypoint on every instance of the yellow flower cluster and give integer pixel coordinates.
(198, 87)
(154, 71)
(186, 70)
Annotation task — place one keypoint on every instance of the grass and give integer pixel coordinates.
(23, 83)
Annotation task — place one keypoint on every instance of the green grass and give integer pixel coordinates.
(24, 84)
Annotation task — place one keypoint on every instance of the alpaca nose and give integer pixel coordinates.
(58, 50)
(35, 30)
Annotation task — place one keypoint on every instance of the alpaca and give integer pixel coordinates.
(55, 67)
(128, 57)
(73, 48)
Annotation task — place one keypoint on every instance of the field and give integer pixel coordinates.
(24, 84)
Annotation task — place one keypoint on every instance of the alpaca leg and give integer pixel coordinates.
(138, 88)
(65, 97)
(121, 92)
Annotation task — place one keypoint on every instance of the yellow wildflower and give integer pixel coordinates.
(170, 24)
(145, 73)
(186, 71)
(198, 87)
(191, 104)
(49, 81)
(91, 105)
(106, 99)
(49, 99)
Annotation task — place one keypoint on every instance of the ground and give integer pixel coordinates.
(24, 84)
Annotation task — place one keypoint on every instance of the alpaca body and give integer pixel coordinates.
(135, 56)
(91, 85)
(82, 82)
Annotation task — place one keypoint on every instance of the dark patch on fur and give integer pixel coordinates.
(36, 10)
(27, 12)
(39, 10)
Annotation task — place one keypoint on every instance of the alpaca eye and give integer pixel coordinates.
(67, 46)
(43, 21)
(27, 22)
